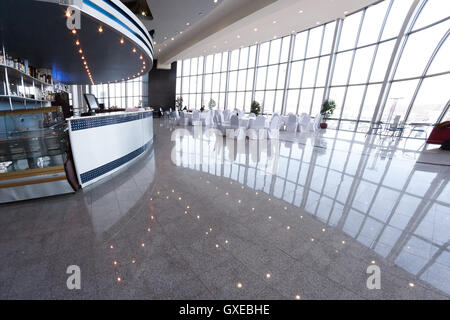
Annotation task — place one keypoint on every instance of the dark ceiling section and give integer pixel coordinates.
(37, 31)
(139, 8)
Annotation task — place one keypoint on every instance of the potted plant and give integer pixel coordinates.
(255, 108)
(327, 110)
(211, 104)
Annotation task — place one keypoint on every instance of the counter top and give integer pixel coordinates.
(109, 114)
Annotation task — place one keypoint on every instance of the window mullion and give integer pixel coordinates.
(303, 70)
(288, 74)
(317, 71)
(402, 38)
(351, 69)
(366, 87)
(427, 67)
(333, 54)
(255, 74)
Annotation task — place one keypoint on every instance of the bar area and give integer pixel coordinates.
(52, 139)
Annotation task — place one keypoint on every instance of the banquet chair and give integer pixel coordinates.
(196, 118)
(304, 123)
(226, 115)
(317, 122)
(292, 123)
(257, 128)
(274, 128)
(183, 121)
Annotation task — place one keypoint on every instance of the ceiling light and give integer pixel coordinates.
(68, 14)
(77, 43)
(256, 29)
(318, 22)
(274, 21)
(134, 50)
(140, 57)
(122, 41)
(238, 36)
(74, 31)
(345, 12)
(215, 1)
(100, 29)
(172, 38)
(300, 11)
(188, 24)
(80, 51)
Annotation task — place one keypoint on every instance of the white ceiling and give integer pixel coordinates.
(232, 23)
(171, 16)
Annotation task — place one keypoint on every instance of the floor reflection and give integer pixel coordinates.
(371, 188)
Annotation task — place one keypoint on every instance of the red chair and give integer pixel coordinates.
(440, 133)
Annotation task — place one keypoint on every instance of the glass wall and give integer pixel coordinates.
(125, 94)
(364, 62)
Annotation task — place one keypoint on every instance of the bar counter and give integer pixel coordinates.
(105, 143)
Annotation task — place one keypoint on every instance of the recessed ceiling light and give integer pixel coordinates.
(345, 12)
(215, 1)
(187, 23)
(238, 36)
(172, 38)
(300, 11)
(256, 29)
(318, 22)
(274, 21)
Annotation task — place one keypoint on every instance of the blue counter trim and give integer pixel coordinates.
(97, 172)
(115, 6)
(89, 123)
(109, 15)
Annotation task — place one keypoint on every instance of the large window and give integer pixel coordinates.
(372, 67)
(125, 94)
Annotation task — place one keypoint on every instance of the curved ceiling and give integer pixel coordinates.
(37, 31)
(235, 23)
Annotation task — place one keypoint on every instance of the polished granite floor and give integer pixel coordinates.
(302, 219)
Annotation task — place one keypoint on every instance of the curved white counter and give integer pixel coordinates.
(105, 143)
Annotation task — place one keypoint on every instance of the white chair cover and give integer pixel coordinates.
(292, 123)
(317, 121)
(226, 115)
(304, 122)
